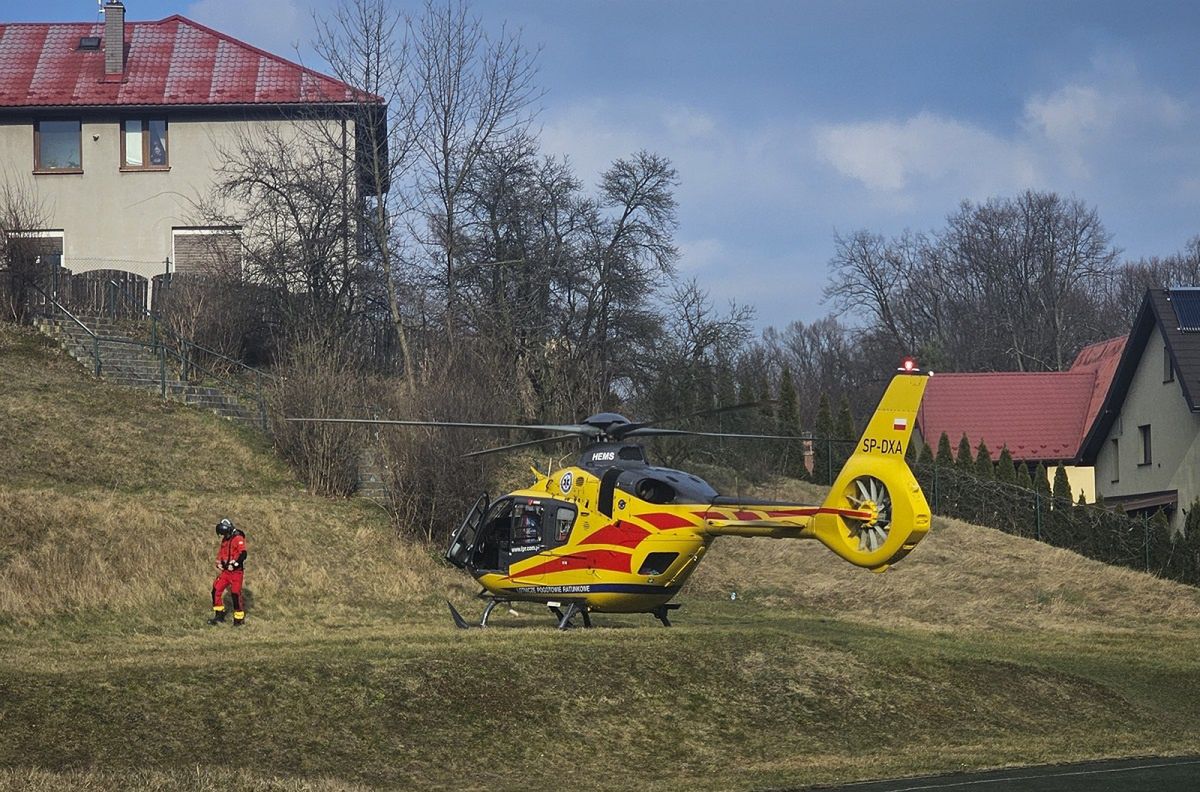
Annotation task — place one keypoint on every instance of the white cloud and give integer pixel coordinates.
(1107, 110)
(1082, 136)
(596, 132)
(592, 134)
(699, 255)
(1070, 113)
(902, 158)
(758, 205)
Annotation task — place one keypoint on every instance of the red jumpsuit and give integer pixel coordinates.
(231, 557)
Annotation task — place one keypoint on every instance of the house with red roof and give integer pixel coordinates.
(1040, 416)
(118, 127)
(1145, 441)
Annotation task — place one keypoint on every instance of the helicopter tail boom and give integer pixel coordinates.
(875, 513)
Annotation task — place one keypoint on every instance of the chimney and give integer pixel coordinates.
(114, 38)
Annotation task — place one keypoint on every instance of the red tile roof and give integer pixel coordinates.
(174, 61)
(1102, 359)
(1038, 415)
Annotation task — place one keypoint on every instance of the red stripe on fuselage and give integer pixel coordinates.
(666, 522)
(613, 560)
(807, 511)
(618, 533)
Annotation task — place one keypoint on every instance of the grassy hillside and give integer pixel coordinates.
(980, 649)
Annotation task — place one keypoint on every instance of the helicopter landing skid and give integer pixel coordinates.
(662, 611)
(564, 619)
(463, 624)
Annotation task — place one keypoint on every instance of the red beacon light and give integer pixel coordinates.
(908, 365)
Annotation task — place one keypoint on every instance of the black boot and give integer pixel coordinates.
(239, 618)
(217, 618)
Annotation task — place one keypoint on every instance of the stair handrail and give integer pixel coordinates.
(161, 349)
(159, 322)
(158, 325)
(95, 338)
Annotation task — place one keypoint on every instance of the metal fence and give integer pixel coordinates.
(1140, 541)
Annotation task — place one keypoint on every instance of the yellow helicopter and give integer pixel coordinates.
(614, 534)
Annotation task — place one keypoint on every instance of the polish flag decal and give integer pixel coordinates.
(900, 424)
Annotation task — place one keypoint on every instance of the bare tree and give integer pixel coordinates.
(1128, 283)
(522, 217)
(294, 198)
(879, 278)
(473, 94)
(367, 44)
(1035, 266)
(22, 264)
(629, 253)
(1007, 284)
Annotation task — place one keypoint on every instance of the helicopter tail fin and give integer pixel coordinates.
(876, 513)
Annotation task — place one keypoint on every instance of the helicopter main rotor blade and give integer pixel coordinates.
(539, 441)
(655, 432)
(633, 427)
(573, 429)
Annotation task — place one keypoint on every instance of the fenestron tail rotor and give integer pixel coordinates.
(869, 494)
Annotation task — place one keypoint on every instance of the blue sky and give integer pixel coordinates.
(790, 121)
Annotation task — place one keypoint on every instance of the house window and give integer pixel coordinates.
(1116, 461)
(56, 147)
(1144, 431)
(1168, 369)
(144, 144)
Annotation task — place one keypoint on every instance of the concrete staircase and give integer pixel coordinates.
(128, 361)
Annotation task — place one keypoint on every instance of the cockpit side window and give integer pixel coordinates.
(532, 526)
(527, 527)
(563, 521)
(655, 491)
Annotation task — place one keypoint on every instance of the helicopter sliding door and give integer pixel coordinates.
(488, 537)
(463, 540)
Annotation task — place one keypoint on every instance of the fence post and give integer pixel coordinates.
(262, 405)
(162, 370)
(1037, 508)
(96, 352)
(937, 504)
(1146, 542)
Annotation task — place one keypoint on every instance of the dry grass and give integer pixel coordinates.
(105, 550)
(60, 428)
(961, 576)
(108, 497)
(201, 779)
(979, 649)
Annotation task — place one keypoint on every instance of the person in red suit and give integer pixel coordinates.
(231, 561)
